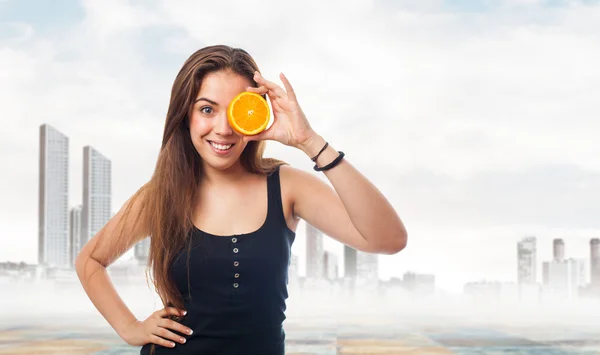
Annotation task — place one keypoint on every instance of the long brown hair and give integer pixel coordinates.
(169, 196)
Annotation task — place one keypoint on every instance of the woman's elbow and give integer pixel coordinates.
(398, 243)
(80, 261)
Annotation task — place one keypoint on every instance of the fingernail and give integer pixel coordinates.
(184, 313)
(190, 331)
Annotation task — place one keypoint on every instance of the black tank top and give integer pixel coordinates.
(236, 297)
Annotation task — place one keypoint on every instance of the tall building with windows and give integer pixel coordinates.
(360, 268)
(565, 276)
(558, 249)
(53, 198)
(330, 266)
(75, 242)
(350, 262)
(314, 252)
(595, 263)
(527, 260)
(96, 192)
(422, 284)
(367, 268)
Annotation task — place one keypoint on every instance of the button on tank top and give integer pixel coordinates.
(237, 290)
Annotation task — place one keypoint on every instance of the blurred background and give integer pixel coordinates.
(478, 120)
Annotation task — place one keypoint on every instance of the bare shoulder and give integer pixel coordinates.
(315, 201)
(294, 175)
(121, 232)
(294, 181)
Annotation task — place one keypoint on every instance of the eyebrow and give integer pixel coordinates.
(207, 100)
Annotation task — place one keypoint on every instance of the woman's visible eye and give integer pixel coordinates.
(207, 110)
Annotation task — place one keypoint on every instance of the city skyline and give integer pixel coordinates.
(97, 184)
(86, 219)
(585, 269)
(562, 276)
(64, 229)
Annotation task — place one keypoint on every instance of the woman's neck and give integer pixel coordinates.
(229, 176)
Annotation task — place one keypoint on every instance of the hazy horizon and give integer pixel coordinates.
(69, 303)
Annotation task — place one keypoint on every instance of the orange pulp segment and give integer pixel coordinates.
(248, 113)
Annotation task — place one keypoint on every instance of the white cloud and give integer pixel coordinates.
(16, 32)
(111, 18)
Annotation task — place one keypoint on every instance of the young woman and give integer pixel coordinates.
(221, 218)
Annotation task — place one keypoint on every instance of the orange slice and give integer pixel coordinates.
(248, 113)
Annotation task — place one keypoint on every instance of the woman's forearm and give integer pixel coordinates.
(99, 288)
(370, 212)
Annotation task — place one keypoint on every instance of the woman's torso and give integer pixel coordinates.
(236, 293)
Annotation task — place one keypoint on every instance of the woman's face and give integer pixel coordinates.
(217, 143)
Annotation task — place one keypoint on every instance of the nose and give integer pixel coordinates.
(221, 125)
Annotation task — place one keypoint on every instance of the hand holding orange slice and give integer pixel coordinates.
(248, 113)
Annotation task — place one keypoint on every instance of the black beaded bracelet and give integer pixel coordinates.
(321, 151)
(332, 164)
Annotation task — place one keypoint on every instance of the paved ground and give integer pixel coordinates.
(323, 339)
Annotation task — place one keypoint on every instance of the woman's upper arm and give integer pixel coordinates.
(319, 205)
(119, 234)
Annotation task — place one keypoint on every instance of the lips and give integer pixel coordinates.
(220, 146)
(220, 142)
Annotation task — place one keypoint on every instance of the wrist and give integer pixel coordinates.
(124, 330)
(312, 145)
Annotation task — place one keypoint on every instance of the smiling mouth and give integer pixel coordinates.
(221, 147)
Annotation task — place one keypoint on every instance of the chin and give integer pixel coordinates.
(220, 159)
(221, 166)
(220, 162)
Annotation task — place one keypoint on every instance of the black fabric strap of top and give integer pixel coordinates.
(335, 162)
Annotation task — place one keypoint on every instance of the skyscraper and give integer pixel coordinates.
(314, 252)
(526, 259)
(53, 200)
(565, 276)
(75, 242)
(330, 266)
(349, 262)
(558, 249)
(96, 192)
(423, 284)
(595, 263)
(367, 266)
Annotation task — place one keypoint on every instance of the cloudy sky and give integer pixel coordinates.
(477, 119)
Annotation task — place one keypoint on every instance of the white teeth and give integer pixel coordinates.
(221, 146)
